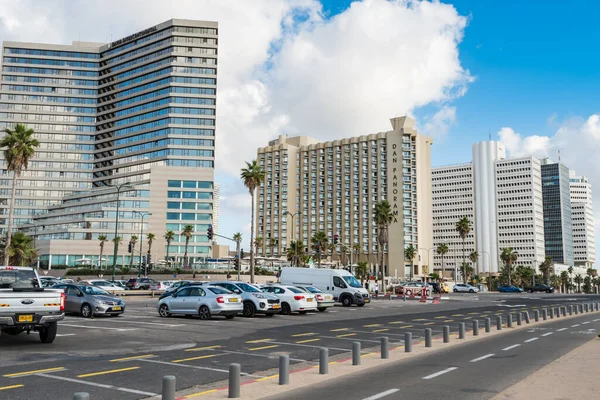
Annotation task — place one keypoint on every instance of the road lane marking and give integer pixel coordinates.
(226, 371)
(381, 330)
(531, 340)
(429, 323)
(473, 313)
(346, 335)
(339, 329)
(371, 325)
(263, 347)
(482, 358)
(132, 358)
(585, 323)
(308, 340)
(64, 334)
(419, 319)
(442, 372)
(439, 317)
(561, 329)
(100, 327)
(575, 326)
(268, 377)
(33, 372)
(309, 345)
(11, 387)
(341, 338)
(548, 334)
(261, 355)
(124, 321)
(382, 394)
(203, 348)
(406, 326)
(196, 358)
(110, 371)
(259, 341)
(304, 334)
(397, 322)
(101, 385)
(449, 320)
(189, 396)
(514, 346)
(457, 315)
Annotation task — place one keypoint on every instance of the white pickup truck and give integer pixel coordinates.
(26, 306)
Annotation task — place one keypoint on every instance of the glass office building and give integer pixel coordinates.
(139, 110)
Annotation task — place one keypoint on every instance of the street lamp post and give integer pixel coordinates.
(298, 213)
(427, 250)
(126, 185)
(143, 215)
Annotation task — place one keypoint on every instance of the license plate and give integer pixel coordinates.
(233, 300)
(117, 308)
(309, 299)
(276, 306)
(367, 300)
(25, 318)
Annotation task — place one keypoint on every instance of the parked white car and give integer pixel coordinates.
(292, 299)
(204, 301)
(324, 300)
(162, 285)
(465, 288)
(102, 284)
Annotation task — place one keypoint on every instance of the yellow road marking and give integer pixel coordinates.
(189, 396)
(429, 323)
(11, 387)
(368, 354)
(203, 348)
(132, 358)
(110, 371)
(339, 329)
(468, 318)
(39, 371)
(259, 341)
(371, 325)
(347, 334)
(308, 341)
(406, 326)
(268, 377)
(264, 347)
(439, 317)
(473, 313)
(397, 322)
(304, 334)
(381, 330)
(449, 320)
(457, 315)
(419, 319)
(196, 358)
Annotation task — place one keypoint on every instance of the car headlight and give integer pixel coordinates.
(100, 302)
(259, 296)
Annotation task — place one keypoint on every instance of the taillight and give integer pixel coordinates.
(298, 297)
(220, 300)
(63, 297)
(319, 297)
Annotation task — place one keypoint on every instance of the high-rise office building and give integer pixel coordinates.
(558, 223)
(139, 110)
(334, 187)
(216, 208)
(584, 240)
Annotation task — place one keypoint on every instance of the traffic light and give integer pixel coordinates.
(236, 264)
(209, 232)
(242, 254)
(129, 247)
(148, 259)
(335, 239)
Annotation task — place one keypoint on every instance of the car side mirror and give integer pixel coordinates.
(79, 294)
(237, 291)
(174, 295)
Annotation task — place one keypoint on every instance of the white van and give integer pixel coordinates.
(340, 283)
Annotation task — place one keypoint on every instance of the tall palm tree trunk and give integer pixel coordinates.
(11, 211)
(464, 268)
(100, 258)
(442, 268)
(251, 240)
(381, 269)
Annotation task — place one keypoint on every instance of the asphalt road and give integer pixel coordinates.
(478, 370)
(126, 357)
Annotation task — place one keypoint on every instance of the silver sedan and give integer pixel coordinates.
(88, 300)
(202, 301)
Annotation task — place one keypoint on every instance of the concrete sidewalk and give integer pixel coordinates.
(574, 375)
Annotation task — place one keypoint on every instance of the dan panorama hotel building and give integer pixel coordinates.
(140, 109)
(335, 185)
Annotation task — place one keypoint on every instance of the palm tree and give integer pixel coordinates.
(19, 146)
(150, 238)
(474, 257)
(509, 257)
(132, 241)
(564, 277)
(187, 232)
(356, 247)
(361, 271)
(102, 239)
(409, 255)
(21, 251)
(319, 243)
(295, 252)
(383, 218)
(117, 241)
(442, 249)
(237, 237)
(331, 248)
(463, 227)
(253, 175)
(570, 269)
(343, 251)
(578, 280)
(546, 267)
(272, 245)
(169, 236)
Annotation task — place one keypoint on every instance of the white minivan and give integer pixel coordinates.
(340, 283)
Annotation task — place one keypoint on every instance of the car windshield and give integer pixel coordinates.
(294, 289)
(312, 289)
(247, 288)
(352, 281)
(102, 283)
(18, 279)
(93, 290)
(218, 290)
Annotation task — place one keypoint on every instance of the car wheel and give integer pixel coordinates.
(302, 312)
(163, 311)
(204, 312)
(86, 311)
(230, 316)
(409, 292)
(48, 334)
(346, 301)
(530, 291)
(455, 291)
(471, 291)
(286, 309)
(249, 309)
(322, 309)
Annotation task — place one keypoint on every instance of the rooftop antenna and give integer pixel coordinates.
(559, 156)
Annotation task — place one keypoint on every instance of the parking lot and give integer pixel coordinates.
(126, 357)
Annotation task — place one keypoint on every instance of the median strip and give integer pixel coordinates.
(110, 371)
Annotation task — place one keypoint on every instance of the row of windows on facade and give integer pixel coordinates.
(448, 170)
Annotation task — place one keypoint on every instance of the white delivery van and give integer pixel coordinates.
(340, 283)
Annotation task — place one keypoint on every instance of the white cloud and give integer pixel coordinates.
(438, 124)
(283, 66)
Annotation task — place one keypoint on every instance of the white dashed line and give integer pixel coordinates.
(482, 358)
(561, 329)
(511, 347)
(442, 372)
(531, 340)
(575, 326)
(382, 394)
(585, 323)
(548, 334)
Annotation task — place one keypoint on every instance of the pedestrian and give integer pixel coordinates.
(376, 287)
(367, 285)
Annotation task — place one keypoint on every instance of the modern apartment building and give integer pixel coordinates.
(139, 110)
(216, 208)
(584, 240)
(333, 187)
(558, 223)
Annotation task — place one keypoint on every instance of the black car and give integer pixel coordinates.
(173, 288)
(540, 287)
(140, 283)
